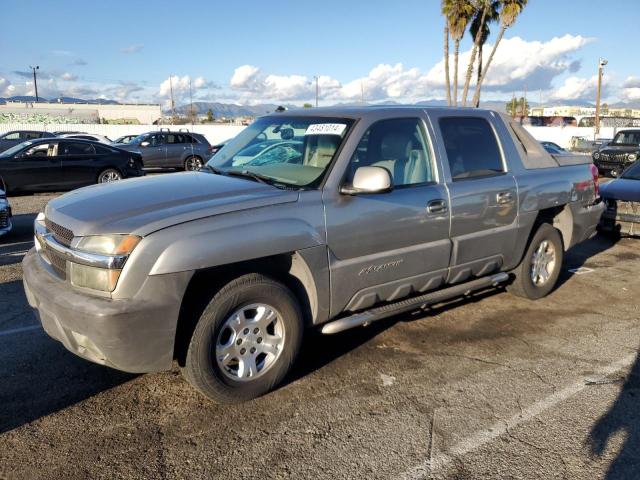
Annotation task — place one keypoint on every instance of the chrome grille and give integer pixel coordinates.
(613, 157)
(61, 234)
(58, 263)
(4, 218)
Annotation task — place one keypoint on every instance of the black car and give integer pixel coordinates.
(622, 198)
(622, 151)
(65, 164)
(14, 137)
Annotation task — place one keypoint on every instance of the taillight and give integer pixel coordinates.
(596, 181)
(212, 149)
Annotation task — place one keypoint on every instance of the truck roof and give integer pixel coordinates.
(361, 111)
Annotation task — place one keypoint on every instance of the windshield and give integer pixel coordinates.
(140, 138)
(633, 172)
(10, 152)
(293, 151)
(626, 138)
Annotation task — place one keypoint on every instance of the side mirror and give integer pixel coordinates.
(145, 144)
(369, 180)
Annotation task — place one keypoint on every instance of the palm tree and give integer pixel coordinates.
(458, 13)
(509, 11)
(447, 78)
(486, 12)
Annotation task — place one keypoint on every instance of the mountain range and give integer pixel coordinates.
(230, 110)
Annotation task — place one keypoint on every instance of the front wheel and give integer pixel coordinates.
(540, 268)
(192, 164)
(245, 341)
(109, 175)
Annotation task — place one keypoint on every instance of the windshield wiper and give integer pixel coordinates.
(249, 174)
(212, 169)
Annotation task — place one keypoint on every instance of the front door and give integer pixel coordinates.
(483, 197)
(386, 246)
(154, 154)
(35, 168)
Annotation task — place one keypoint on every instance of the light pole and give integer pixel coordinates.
(35, 81)
(316, 79)
(601, 63)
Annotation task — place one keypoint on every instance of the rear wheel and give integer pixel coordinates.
(245, 341)
(109, 175)
(540, 268)
(192, 164)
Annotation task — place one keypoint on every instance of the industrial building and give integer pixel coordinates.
(84, 112)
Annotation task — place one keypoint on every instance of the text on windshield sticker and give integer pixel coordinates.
(325, 129)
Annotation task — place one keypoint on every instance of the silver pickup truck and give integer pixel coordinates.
(337, 218)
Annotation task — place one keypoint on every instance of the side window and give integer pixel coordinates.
(70, 148)
(472, 147)
(400, 146)
(188, 139)
(173, 138)
(39, 150)
(31, 135)
(100, 150)
(12, 136)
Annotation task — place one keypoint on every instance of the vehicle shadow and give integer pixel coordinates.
(577, 256)
(319, 350)
(38, 376)
(623, 417)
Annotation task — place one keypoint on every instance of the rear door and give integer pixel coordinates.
(177, 147)
(77, 163)
(482, 191)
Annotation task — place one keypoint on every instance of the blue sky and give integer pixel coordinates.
(254, 51)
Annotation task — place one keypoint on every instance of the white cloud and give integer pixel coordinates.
(132, 48)
(576, 88)
(180, 86)
(246, 78)
(68, 77)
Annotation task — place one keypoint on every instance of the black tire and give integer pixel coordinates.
(523, 284)
(201, 367)
(192, 163)
(109, 175)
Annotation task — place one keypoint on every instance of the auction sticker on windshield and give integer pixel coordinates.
(325, 129)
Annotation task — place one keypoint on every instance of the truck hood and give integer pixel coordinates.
(619, 149)
(144, 205)
(621, 189)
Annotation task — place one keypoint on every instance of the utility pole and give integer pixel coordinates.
(191, 113)
(35, 80)
(316, 79)
(601, 63)
(173, 106)
(524, 103)
(513, 105)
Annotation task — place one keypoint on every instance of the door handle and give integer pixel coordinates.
(504, 198)
(437, 206)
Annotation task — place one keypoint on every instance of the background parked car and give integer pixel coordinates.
(65, 164)
(15, 137)
(616, 156)
(5, 211)
(166, 149)
(124, 139)
(553, 146)
(87, 136)
(622, 198)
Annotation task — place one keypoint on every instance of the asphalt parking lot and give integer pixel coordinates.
(488, 387)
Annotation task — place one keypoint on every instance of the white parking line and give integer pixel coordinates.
(13, 331)
(482, 437)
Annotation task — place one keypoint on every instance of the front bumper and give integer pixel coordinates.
(5, 220)
(134, 335)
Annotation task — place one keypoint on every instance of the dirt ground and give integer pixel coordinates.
(488, 387)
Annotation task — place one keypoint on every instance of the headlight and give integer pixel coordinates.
(596, 155)
(632, 157)
(96, 278)
(107, 244)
